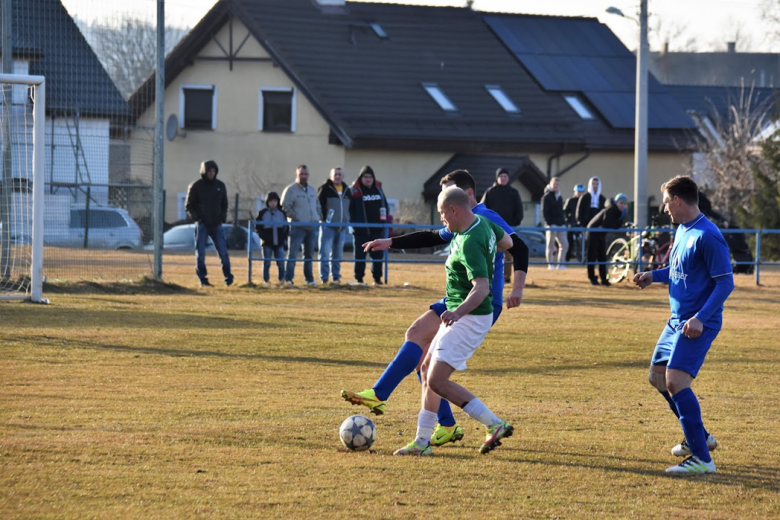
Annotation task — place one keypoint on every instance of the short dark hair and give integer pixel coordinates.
(301, 167)
(683, 187)
(461, 178)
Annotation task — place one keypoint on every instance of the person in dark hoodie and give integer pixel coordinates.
(335, 199)
(505, 200)
(207, 205)
(272, 229)
(368, 205)
(611, 217)
(554, 217)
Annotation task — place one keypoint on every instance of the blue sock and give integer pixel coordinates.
(404, 363)
(445, 414)
(669, 400)
(673, 406)
(690, 419)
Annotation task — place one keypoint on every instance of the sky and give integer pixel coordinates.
(688, 25)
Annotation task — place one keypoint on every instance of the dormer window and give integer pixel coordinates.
(502, 99)
(440, 97)
(579, 107)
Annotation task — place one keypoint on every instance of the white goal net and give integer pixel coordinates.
(22, 118)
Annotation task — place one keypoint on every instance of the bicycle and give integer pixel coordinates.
(624, 254)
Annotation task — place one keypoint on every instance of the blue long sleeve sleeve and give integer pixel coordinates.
(723, 287)
(661, 275)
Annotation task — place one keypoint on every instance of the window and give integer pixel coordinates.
(380, 33)
(198, 107)
(500, 96)
(579, 107)
(277, 109)
(440, 97)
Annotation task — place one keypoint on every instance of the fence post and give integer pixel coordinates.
(249, 237)
(235, 211)
(758, 257)
(86, 217)
(386, 253)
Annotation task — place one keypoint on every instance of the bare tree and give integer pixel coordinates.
(251, 182)
(672, 34)
(128, 51)
(730, 151)
(770, 13)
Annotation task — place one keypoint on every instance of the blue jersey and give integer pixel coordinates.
(699, 255)
(497, 287)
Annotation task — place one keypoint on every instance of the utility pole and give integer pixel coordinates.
(640, 135)
(7, 186)
(157, 185)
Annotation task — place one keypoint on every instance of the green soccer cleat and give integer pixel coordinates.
(444, 434)
(367, 398)
(415, 449)
(495, 433)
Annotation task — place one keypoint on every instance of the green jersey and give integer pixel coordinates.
(472, 255)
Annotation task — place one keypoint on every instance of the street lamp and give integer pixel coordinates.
(640, 126)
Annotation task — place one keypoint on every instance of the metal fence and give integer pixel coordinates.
(637, 263)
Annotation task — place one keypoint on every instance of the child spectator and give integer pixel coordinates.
(272, 230)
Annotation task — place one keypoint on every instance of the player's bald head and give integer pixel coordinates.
(453, 196)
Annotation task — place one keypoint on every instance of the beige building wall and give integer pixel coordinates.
(250, 162)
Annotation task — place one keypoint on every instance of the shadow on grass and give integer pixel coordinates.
(753, 477)
(145, 285)
(217, 354)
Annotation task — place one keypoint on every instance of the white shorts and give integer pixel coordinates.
(457, 343)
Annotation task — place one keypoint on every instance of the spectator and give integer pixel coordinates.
(273, 231)
(570, 213)
(368, 205)
(301, 204)
(334, 198)
(207, 204)
(505, 200)
(611, 217)
(552, 211)
(590, 203)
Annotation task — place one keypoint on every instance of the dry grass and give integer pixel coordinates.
(223, 403)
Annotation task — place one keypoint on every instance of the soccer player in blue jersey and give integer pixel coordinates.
(422, 331)
(700, 279)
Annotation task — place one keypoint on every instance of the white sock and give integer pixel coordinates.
(426, 422)
(477, 410)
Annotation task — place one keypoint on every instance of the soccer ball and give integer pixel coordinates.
(357, 433)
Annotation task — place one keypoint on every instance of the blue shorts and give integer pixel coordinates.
(440, 306)
(675, 351)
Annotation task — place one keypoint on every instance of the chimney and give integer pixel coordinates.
(665, 49)
(731, 47)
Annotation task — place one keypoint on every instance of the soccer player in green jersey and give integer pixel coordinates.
(464, 324)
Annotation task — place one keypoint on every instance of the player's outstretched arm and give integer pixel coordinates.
(380, 244)
(416, 240)
(643, 279)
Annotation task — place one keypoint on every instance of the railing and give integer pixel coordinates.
(757, 262)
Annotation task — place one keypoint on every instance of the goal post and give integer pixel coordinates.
(21, 254)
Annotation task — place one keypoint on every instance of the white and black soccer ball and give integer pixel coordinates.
(357, 433)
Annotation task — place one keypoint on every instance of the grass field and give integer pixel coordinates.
(144, 401)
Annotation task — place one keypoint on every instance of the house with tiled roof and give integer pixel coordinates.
(261, 86)
(84, 109)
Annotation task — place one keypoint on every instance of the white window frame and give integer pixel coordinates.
(293, 107)
(438, 95)
(213, 88)
(502, 99)
(578, 106)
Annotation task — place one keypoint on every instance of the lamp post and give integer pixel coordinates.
(640, 126)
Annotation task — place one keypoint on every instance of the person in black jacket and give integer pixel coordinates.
(505, 200)
(611, 217)
(552, 211)
(207, 204)
(590, 203)
(570, 212)
(368, 205)
(272, 229)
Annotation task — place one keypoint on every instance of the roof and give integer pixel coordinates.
(46, 35)
(483, 169)
(370, 88)
(725, 69)
(707, 101)
(582, 55)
